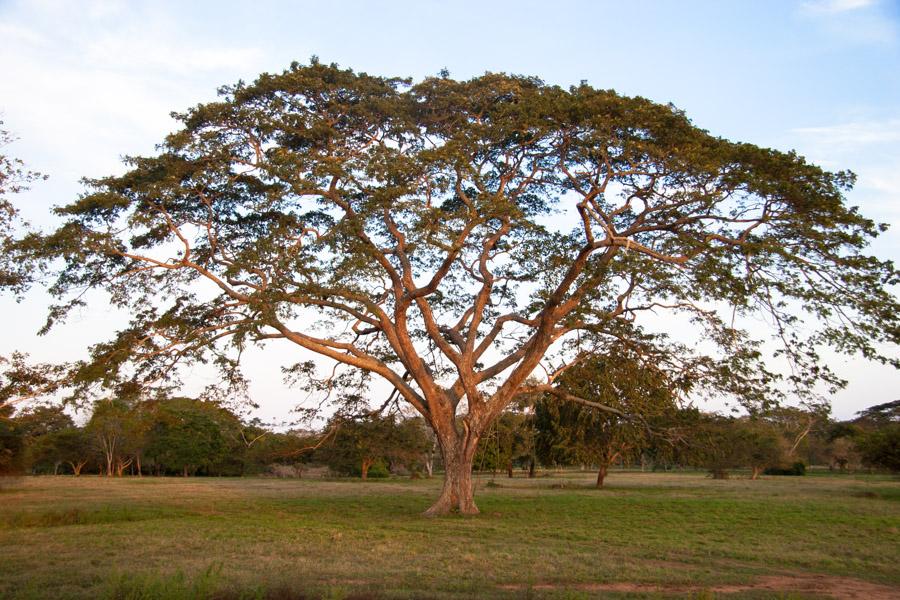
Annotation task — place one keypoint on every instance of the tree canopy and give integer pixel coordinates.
(456, 238)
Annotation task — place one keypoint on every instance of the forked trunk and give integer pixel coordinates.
(755, 473)
(457, 493)
(121, 465)
(77, 466)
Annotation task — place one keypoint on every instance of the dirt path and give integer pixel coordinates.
(814, 585)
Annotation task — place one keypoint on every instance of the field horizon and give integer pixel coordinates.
(643, 535)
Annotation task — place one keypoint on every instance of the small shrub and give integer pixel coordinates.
(378, 471)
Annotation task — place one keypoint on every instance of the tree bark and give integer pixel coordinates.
(366, 463)
(755, 473)
(531, 468)
(601, 475)
(457, 493)
(509, 469)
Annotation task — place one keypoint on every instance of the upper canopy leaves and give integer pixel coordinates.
(423, 224)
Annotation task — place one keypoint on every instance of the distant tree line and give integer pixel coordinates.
(189, 437)
(186, 437)
(780, 441)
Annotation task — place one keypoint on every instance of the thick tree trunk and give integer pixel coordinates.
(366, 463)
(457, 493)
(755, 473)
(509, 469)
(531, 468)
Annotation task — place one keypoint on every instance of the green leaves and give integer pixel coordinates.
(447, 235)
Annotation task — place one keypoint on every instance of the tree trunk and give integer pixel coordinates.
(138, 458)
(429, 459)
(457, 493)
(184, 471)
(601, 475)
(531, 468)
(755, 473)
(366, 463)
(509, 469)
(121, 465)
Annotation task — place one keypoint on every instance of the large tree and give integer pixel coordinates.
(453, 237)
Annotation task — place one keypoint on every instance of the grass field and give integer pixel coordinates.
(646, 535)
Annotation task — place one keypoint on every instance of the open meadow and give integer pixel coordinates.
(645, 535)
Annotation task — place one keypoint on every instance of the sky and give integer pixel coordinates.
(85, 83)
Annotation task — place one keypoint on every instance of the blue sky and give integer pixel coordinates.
(87, 82)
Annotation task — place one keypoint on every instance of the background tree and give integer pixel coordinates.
(722, 444)
(12, 443)
(881, 447)
(764, 446)
(506, 443)
(796, 424)
(38, 424)
(373, 440)
(71, 446)
(187, 435)
(112, 427)
(634, 394)
(880, 414)
(403, 231)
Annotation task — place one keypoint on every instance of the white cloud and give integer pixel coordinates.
(870, 148)
(854, 21)
(90, 81)
(15, 34)
(836, 6)
(846, 136)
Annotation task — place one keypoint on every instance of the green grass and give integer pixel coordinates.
(645, 535)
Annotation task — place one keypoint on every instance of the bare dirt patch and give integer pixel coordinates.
(814, 585)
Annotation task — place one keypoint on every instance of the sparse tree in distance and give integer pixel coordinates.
(361, 443)
(115, 427)
(881, 447)
(638, 393)
(455, 238)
